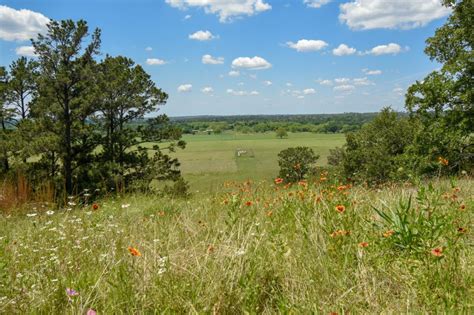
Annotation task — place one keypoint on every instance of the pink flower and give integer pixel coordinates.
(71, 292)
(91, 312)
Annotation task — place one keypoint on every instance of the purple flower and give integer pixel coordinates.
(71, 292)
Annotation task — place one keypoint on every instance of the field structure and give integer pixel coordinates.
(254, 248)
(210, 160)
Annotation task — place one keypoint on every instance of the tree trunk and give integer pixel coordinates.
(6, 165)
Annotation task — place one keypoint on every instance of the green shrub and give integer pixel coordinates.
(376, 153)
(296, 163)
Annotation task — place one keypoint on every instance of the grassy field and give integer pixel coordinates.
(252, 248)
(209, 160)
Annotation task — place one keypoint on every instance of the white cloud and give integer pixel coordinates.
(255, 63)
(234, 73)
(209, 60)
(316, 3)
(399, 91)
(185, 88)
(362, 81)
(342, 80)
(372, 72)
(391, 48)
(344, 88)
(343, 50)
(202, 36)
(148, 49)
(155, 62)
(307, 45)
(188, 16)
(289, 84)
(207, 90)
(325, 82)
(28, 51)
(225, 9)
(21, 24)
(402, 14)
(309, 91)
(267, 83)
(242, 93)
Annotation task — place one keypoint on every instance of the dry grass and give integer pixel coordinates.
(254, 248)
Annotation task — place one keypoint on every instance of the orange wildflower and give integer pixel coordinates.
(95, 206)
(248, 203)
(388, 233)
(363, 244)
(443, 161)
(340, 233)
(278, 180)
(210, 249)
(133, 251)
(462, 207)
(303, 183)
(340, 208)
(438, 252)
(269, 213)
(323, 179)
(342, 187)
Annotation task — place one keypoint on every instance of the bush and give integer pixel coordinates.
(377, 152)
(296, 163)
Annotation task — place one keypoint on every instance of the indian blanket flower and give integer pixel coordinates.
(248, 203)
(388, 233)
(462, 230)
(342, 187)
(340, 208)
(462, 207)
(95, 206)
(363, 244)
(278, 180)
(438, 252)
(133, 251)
(340, 233)
(443, 161)
(210, 249)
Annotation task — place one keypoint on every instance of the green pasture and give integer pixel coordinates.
(209, 160)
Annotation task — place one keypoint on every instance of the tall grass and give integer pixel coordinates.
(16, 193)
(253, 248)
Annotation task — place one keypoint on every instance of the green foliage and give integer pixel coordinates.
(443, 103)
(376, 153)
(67, 118)
(281, 133)
(296, 163)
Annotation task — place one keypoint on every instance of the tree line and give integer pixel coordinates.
(317, 123)
(65, 116)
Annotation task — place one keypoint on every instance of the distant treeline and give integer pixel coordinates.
(318, 123)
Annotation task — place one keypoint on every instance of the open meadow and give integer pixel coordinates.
(210, 160)
(255, 247)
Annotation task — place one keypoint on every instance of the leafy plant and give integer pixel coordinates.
(296, 163)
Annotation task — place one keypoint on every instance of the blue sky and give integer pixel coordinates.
(266, 56)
